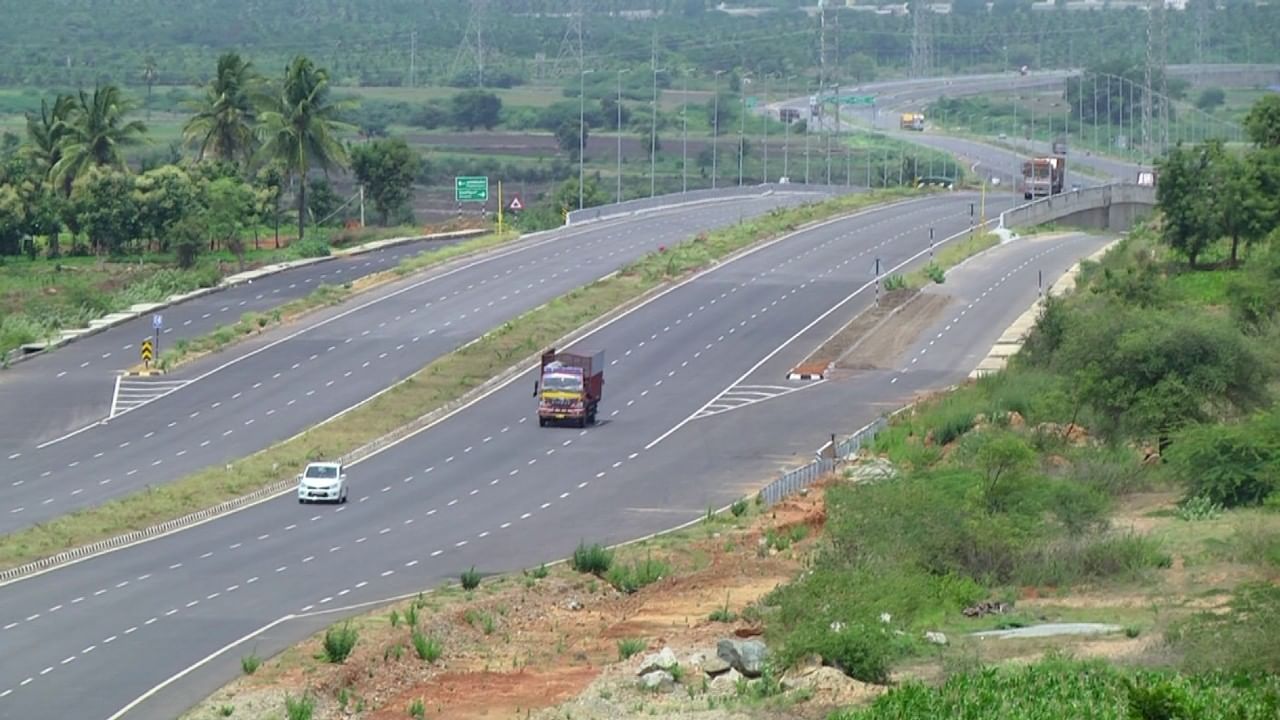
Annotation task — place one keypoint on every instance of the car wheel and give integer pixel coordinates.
(343, 500)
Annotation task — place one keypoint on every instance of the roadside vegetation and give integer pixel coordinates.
(1152, 386)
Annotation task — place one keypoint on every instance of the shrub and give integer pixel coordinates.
(301, 708)
(312, 247)
(632, 577)
(250, 663)
(594, 559)
(1240, 640)
(1198, 508)
(428, 648)
(1066, 562)
(411, 615)
(894, 282)
(738, 508)
(722, 615)
(417, 709)
(470, 579)
(482, 621)
(1231, 465)
(339, 642)
(630, 646)
(394, 618)
(864, 651)
(935, 273)
(539, 572)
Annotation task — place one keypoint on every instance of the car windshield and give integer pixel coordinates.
(571, 383)
(322, 472)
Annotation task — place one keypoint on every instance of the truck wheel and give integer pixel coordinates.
(542, 422)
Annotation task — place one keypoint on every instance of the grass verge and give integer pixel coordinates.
(442, 381)
(187, 350)
(948, 256)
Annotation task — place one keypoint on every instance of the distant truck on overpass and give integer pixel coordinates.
(912, 121)
(570, 387)
(1045, 175)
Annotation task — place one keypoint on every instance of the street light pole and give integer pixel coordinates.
(766, 129)
(653, 135)
(786, 132)
(582, 76)
(684, 135)
(619, 130)
(742, 131)
(715, 129)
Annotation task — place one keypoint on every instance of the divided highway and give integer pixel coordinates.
(294, 377)
(485, 486)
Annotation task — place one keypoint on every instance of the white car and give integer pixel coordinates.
(322, 482)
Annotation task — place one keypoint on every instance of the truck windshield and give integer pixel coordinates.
(570, 383)
(322, 472)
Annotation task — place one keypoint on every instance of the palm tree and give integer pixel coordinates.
(96, 132)
(298, 127)
(149, 75)
(44, 149)
(223, 122)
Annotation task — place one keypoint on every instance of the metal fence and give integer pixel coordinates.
(794, 481)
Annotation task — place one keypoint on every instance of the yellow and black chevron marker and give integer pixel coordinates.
(147, 352)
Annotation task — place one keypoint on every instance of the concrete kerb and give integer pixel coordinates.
(100, 324)
(283, 487)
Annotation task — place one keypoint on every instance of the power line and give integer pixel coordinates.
(472, 48)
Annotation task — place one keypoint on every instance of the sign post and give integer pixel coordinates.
(157, 322)
(471, 188)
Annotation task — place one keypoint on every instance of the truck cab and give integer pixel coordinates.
(569, 387)
(323, 482)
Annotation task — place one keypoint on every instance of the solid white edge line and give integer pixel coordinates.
(808, 327)
(197, 665)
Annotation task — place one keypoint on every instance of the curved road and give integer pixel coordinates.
(294, 377)
(486, 486)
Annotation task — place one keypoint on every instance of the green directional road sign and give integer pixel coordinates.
(857, 99)
(471, 189)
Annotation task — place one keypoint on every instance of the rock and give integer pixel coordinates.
(870, 469)
(936, 638)
(826, 681)
(745, 656)
(1015, 419)
(715, 666)
(659, 680)
(573, 604)
(886, 618)
(986, 608)
(726, 682)
(657, 661)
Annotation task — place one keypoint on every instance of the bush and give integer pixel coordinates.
(428, 648)
(1198, 508)
(738, 508)
(301, 708)
(339, 642)
(1239, 641)
(894, 282)
(1066, 562)
(630, 646)
(250, 663)
(1231, 465)
(935, 273)
(311, 247)
(1058, 688)
(539, 572)
(470, 579)
(594, 559)
(630, 578)
(863, 651)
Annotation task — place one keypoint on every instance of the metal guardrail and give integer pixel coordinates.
(793, 481)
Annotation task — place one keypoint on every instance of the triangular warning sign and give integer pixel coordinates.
(515, 203)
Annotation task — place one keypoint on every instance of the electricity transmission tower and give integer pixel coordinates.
(471, 52)
(921, 40)
(1153, 134)
(570, 56)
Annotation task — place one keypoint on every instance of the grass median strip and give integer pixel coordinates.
(442, 381)
(187, 350)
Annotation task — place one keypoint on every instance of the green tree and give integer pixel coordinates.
(1184, 197)
(1241, 212)
(230, 205)
(476, 108)
(322, 201)
(724, 110)
(43, 150)
(96, 133)
(1211, 98)
(223, 123)
(1263, 121)
(11, 221)
(187, 238)
(298, 127)
(269, 181)
(1231, 464)
(164, 196)
(102, 201)
(567, 137)
(386, 168)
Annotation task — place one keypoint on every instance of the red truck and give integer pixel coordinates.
(569, 388)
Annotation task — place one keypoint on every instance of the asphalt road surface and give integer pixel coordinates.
(488, 487)
(291, 378)
(73, 385)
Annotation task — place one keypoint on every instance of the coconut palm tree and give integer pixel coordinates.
(224, 118)
(298, 127)
(150, 73)
(95, 133)
(43, 150)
